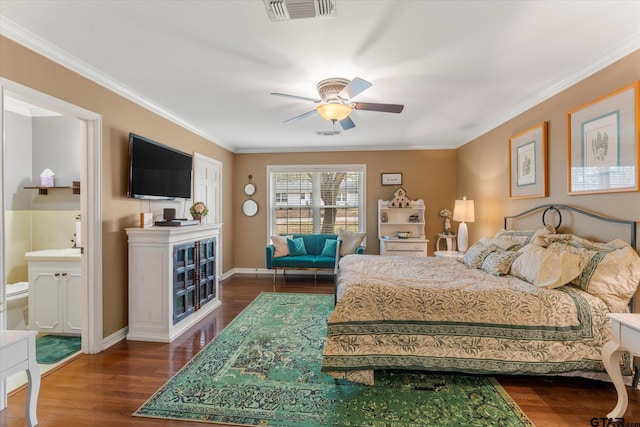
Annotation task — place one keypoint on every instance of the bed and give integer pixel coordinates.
(542, 312)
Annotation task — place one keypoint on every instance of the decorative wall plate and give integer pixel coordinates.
(249, 207)
(249, 189)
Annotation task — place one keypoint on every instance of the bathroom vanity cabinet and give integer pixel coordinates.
(55, 291)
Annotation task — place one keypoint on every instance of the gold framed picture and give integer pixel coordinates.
(602, 143)
(528, 163)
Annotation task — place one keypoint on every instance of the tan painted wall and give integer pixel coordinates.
(428, 175)
(119, 117)
(483, 172)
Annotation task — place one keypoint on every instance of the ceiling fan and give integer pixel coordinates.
(335, 102)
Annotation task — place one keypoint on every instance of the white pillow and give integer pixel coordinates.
(349, 241)
(610, 271)
(281, 246)
(546, 268)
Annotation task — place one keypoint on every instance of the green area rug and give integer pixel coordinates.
(264, 369)
(54, 348)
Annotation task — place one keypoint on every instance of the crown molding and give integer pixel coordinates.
(26, 38)
(625, 48)
(41, 46)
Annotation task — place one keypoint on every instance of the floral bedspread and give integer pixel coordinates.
(438, 314)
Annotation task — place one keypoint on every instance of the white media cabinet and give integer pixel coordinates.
(173, 279)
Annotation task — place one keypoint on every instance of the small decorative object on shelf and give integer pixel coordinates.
(414, 218)
(400, 199)
(199, 210)
(384, 217)
(447, 215)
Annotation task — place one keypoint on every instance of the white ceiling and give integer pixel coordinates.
(460, 67)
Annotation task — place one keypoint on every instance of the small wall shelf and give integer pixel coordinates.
(75, 188)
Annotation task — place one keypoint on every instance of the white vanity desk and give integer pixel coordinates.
(18, 353)
(625, 328)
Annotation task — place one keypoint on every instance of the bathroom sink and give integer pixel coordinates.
(65, 254)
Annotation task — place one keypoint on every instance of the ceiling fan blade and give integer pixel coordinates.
(301, 116)
(356, 86)
(347, 123)
(385, 108)
(303, 98)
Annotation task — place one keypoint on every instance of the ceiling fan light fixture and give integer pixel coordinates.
(334, 111)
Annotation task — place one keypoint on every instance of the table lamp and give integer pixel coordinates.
(463, 212)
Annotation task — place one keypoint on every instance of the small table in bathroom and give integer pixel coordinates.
(18, 353)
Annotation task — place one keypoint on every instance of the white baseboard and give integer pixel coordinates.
(266, 271)
(114, 338)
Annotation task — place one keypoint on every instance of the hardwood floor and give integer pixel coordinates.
(105, 389)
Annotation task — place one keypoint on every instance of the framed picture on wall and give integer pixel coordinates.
(528, 163)
(603, 143)
(392, 178)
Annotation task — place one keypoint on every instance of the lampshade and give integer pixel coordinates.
(334, 111)
(463, 210)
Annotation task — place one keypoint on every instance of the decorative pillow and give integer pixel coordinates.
(349, 241)
(504, 244)
(296, 246)
(330, 246)
(546, 268)
(280, 245)
(610, 271)
(498, 263)
(524, 237)
(476, 255)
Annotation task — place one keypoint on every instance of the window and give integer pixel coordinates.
(316, 199)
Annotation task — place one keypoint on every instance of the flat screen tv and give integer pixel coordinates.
(157, 171)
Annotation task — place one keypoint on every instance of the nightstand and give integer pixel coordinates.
(449, 239)
(625, 328)
(449, 254)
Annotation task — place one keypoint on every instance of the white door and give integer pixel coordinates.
(207, 183)
(207, 186)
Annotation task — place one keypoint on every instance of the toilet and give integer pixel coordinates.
(17, 305)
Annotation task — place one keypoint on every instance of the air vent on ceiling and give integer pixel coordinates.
(285, 10)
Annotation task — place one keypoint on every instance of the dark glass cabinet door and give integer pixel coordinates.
(194, 276)
(207, 271)
(184, 283)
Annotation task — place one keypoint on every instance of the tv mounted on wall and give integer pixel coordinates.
(157, 171)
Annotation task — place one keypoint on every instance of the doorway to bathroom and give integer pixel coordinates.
(50, 227)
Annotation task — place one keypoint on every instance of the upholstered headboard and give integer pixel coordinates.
(580, 222)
